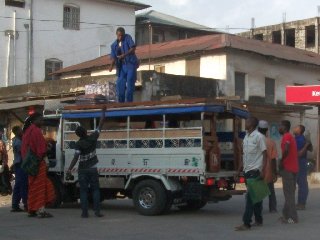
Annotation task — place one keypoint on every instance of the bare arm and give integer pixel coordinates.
(102, 118)
(303, 150)
(73, 162)
(113, 62)
(284, 154)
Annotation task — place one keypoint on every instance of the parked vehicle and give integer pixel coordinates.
(157, 153)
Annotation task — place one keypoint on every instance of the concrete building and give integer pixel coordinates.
(302, 34)
(39, 37)
(156, 27)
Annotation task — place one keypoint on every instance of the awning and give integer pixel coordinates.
(155, 111)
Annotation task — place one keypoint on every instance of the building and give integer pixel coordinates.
(39, 37)
(156, 27)
(302, 34)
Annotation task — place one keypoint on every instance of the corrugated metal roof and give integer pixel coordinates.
(164, 19)
(202, 45)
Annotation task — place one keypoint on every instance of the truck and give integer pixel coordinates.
(181, 153)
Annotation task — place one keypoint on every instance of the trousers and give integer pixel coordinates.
(289, 188)
(125, 84)
(252, 209)
(20, 189)
(89, 178)
(302, 181)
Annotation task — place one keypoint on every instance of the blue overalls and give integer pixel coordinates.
(126, 68)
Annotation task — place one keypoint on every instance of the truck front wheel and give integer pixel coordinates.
(150, 197)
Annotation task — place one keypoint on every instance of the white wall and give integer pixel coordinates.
(214, 66)
(51, 40)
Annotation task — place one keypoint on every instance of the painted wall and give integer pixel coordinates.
(51, 40)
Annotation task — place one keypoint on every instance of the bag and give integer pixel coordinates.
(258, 189)
(30, 164)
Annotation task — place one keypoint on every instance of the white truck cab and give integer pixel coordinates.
(157, 153)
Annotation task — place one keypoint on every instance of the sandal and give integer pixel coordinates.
(45, 215)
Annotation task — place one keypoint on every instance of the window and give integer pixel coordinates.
(290, 37)
(310, 36)
(52, 65)
(160, 68)
(240, 84)
(193, 67)
(15, 3)
(158, 36)
(276, 37)
(269, 90)
(71, 17)
(258, 37)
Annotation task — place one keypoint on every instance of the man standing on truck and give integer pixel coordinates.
(253, 163)
(87, 169)
(124, 57)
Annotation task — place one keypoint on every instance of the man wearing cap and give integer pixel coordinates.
(270, 173)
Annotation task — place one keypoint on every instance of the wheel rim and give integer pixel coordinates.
(147, 197)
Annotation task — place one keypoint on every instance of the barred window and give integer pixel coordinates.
(71, 17)
(52, 65)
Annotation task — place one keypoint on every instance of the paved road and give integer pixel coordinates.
(215, 221)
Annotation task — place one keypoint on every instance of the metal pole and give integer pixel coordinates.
(150, 42)
(14, 47)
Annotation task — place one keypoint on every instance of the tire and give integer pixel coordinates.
(193, 205)
(150, 198)
(57, 185)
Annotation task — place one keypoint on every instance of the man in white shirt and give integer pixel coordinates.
(253, 163)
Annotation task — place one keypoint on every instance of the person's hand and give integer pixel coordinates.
(122, 56)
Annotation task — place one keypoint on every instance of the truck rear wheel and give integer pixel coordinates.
(150, 197)
(193, 205)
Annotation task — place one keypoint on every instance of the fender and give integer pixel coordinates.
(169, 184)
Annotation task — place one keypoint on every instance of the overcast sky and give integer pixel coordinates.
(236, 13)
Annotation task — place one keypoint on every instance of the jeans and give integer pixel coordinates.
(303, 188)
(289, 188)
(252, 209)
(20, 190)
(89, 177)
(126, 82)
(272, 198)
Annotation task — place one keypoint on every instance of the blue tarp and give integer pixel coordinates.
(153, 111)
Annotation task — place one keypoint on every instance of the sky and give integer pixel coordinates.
(236, 14)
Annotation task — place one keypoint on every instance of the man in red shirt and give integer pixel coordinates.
(289, 168)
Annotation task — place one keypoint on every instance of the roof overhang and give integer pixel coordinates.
(137, 6)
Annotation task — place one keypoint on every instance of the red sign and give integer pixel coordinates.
(303, 94)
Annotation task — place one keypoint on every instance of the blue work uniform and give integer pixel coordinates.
(303, 188)
(126, 68)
